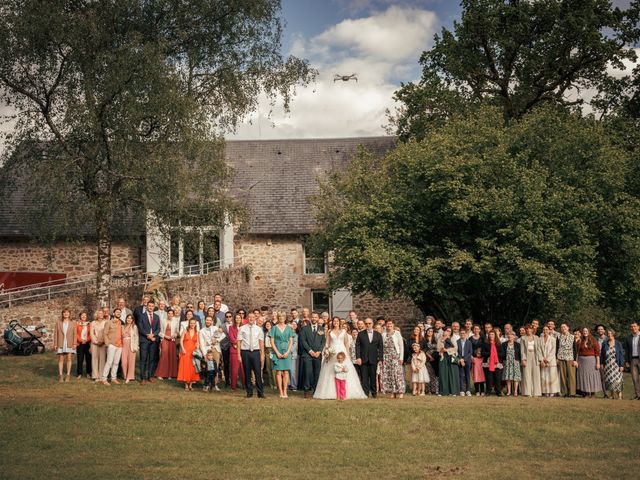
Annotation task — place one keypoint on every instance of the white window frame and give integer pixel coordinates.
(304, 262)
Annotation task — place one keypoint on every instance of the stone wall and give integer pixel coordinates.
(231, 283)
(278, 280)
(71, 258)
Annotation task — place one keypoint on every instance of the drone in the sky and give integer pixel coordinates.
(345, 78)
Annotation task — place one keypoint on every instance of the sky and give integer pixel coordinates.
(379, 40)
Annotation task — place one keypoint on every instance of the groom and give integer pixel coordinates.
(312, 339)
(368, 356)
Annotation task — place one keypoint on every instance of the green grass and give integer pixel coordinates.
(82, 430)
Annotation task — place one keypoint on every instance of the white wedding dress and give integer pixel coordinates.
(326, 388)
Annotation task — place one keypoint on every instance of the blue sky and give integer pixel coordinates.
(380, 40)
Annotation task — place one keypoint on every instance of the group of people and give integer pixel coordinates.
(340, 358)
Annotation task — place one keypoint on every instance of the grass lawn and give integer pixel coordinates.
(81, 430)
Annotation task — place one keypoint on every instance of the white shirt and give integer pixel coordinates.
(224, 308)
(455, 337)
(635, 345)
(209, 339)
(340, 375)
(249, 337)
(370, 333)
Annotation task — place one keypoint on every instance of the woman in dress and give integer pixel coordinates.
(188, 343)
(200, 312)
(493, 356)
(64, 343)
(612, 360)
(235, 364)
(336, 340)
(530, 350)
(392, 361)
(433, 357)
(512, 374)
(168, 364)
(281, 339)
(549, 380)
(449, 372)
(267, 372)
(130, 346)
(588, 379)
(83, 351)
(98, 348)
(477, 339)
(567, 361)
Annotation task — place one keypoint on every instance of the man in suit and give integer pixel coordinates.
(632, 354)
(312, 339)
(465, 352)
(225, 346)
(369, 356)
(140, 310)
(149, 333)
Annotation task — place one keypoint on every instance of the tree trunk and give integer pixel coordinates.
(103, 276)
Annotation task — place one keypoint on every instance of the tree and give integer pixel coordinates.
(500, 222)
(516, 55)
(121, 103)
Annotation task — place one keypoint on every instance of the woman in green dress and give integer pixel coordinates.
(449, 372)
(281, 336)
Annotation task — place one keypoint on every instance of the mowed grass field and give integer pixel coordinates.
(81, 430)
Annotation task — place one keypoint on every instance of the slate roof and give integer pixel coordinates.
(274, 179)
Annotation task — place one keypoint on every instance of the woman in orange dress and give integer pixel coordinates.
(188, 343)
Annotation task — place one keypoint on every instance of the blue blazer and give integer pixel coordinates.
(468, 351)
(145, 329)
(619, 353)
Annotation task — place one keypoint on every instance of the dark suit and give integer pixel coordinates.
(148, 348)
(370, 353)
(311, 342)
(465, 372)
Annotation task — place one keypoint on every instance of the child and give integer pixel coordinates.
(478, 372)
(211, 370)
(419, 374)
(341, 376)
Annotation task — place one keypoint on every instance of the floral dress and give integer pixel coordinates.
(432, 386)
(511, 365)
(392, 371)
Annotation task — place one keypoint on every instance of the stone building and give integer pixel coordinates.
(274, 179)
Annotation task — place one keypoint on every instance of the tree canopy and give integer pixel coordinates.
(120, 106)
(516, 55)
(500, 222)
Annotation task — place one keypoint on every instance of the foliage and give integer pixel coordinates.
(120, 105)
(502, 223)
(516, 55)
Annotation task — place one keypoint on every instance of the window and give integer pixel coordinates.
(319, 301)
(314, 265)
(194, 252)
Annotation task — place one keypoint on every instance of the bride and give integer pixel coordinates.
(337, 339)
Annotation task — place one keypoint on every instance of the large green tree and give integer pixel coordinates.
(516, 54)
(120, 106)
(501, 222)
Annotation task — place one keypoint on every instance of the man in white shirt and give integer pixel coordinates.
(124, 311)
(209, 339)
(455, 332)
(218, 298)
(251, 354)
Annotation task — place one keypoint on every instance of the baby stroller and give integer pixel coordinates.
(22, 341)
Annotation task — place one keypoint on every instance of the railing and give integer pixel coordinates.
(130, 276)
(86, 284)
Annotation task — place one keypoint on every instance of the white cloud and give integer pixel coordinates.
(382, 49)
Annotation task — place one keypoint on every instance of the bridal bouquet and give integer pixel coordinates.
(327, 353)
